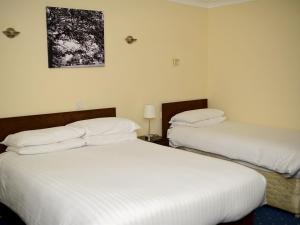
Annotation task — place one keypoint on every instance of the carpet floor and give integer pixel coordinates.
(267, 215)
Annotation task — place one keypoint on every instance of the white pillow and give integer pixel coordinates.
(196, 115)
(42, 136)
(109, 139)
(105, 126)
(39, 149)
(202, 123)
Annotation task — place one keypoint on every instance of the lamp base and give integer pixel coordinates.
(153, 137)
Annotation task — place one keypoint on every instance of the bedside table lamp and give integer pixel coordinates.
(149, 113)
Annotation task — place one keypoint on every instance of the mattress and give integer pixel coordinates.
(274, 149)
(128, 183)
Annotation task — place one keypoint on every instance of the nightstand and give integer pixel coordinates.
(156, 139)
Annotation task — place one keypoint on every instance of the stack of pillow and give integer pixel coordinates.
(98, 131)
(198, 118)
(106, 130)
(44, 140)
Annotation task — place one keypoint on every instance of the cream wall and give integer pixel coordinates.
(254, 61)
(134, 75)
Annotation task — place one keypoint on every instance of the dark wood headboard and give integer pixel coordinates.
(172, 108)
(16, 124)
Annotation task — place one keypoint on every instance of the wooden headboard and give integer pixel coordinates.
(16, 124)
(172, 108)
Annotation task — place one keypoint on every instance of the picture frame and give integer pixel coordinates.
(75, 37)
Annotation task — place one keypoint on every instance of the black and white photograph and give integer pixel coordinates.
(75, 37)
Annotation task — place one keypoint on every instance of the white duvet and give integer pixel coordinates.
(274, 149)
(129, 183)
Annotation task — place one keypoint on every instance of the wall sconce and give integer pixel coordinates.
(130, 39)
(11, 32)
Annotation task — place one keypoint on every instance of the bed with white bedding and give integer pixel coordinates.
(131, 182)
(108, 176)
(273, 152)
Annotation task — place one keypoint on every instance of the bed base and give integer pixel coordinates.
(282, 193)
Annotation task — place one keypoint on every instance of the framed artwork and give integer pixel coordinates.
(75, 37)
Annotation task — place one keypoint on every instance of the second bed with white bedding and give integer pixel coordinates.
(274, 149)
(128, 183)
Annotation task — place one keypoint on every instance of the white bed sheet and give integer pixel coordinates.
(129, 183)
(272, 148)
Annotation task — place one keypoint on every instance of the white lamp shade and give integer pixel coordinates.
(149, 112)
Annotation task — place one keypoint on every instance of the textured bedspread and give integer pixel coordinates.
(130, 183)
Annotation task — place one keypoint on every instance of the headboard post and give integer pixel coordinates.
(16, 124)
(172, 108)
